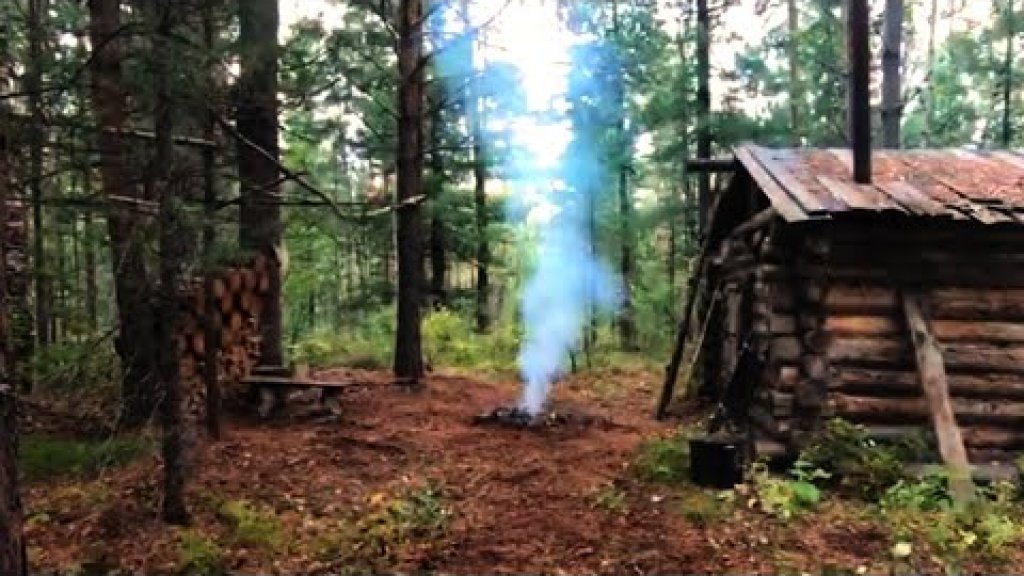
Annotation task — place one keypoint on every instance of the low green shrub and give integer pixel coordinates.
(199, 555)
(923, 510)
(859, 465)
(786, 498)
(42, 457)
(76, 366)
(664, 460)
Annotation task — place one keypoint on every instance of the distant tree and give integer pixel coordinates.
(1009, 23)
(892, 99)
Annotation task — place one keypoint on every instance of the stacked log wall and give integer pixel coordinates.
(973, 283)
(239, 292)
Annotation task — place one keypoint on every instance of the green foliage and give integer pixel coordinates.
(253, 525)
(858, 464)
(199, 554)
(663, 460)
(449, 340)
(787, 498)
(923, 510)
(40, 458)
(65, 366)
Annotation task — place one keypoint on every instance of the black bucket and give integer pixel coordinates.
(716, 462)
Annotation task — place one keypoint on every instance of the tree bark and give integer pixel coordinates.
(892, 105)
(626, 320)
(474, 118)
(12, 545)
(131, 281)
(33, 82)
(260, 213)
(795, 86)
(211, 330)
(703, 110)
(91, 284)
(929, 96)
(171, 262)
(1007, 135)
(408, 361)
(438, 233)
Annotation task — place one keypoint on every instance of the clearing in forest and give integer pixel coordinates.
(409, 481)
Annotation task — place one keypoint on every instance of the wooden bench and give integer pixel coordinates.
(270, 386)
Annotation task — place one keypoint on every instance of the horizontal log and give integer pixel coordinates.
(778, 404)
(764, 421)
(902, 383)
(873, 409)
(944, 330)
(884, 351)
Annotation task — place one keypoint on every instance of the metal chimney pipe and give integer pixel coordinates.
(859, 96)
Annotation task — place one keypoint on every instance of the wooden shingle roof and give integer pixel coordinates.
(808, 184)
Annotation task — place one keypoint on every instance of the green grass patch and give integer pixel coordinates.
(198, 554)
(40, 458)
(253, 525)
(663, 460)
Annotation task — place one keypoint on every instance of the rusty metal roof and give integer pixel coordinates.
(807, 184)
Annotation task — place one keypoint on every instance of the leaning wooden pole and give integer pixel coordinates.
(672, 368)
(932, 371)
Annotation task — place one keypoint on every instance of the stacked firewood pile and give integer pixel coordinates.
(238, 292)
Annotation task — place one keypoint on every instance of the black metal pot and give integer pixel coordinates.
(717, 462)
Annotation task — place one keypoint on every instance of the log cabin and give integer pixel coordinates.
(897, 303)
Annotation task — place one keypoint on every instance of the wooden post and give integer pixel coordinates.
(932, 371)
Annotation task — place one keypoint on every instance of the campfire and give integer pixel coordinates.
(516, 417)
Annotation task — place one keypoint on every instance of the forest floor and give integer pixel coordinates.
(406, 481)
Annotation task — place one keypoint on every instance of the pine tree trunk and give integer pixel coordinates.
(438, 233)
(703, 109)
(260, 214)
(211, 331)
(483, 249)
(892, 105)
(626, 319)
(33, 82)
(12, 545)
(131, 281)
(929, 95)
(408, 363)
(796, 93)
(1007, 132)
(171, 256)
(89, 256)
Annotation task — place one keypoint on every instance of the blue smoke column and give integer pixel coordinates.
(556, 162)
(569, 280)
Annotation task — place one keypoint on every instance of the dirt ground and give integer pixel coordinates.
(519, 501)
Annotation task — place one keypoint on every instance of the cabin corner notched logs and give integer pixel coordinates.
(821, 288)
(239, 292)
